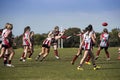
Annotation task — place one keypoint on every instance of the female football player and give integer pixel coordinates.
(87, 41)
(104, 44)
(46, 45)
(55, 33)
(26, 43)
(3, 48)
(94, 35)
(7, 41)
(80, 48)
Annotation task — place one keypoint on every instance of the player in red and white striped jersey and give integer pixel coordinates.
(87, 41)
(46, 45)
(7, 45)
(26, 43)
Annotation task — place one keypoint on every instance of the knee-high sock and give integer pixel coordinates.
(9, 62)
(5, 59)
(74, 59)
(56, 52)
(30, 54)
(107, 54)
(23, 54)
(88, 58)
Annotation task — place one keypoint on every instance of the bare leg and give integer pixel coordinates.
(2, 52)
(56, 51)
(46, 54)
(84, 57)
(40, 54)
(12, 53)
(97, 53)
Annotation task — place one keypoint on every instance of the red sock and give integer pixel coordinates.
(9, 62)
(30, 54)
(88, 58)
(23, 54)
(56, 52)
(75, 57)
(5, 60)
(107, 54)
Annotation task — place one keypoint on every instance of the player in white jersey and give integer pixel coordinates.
(94, 35)
(1, 39)
(7, 45)
(104, 44)
(26, 43)
(87, 40)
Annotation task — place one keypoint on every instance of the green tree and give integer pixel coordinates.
(39, 39)
(74, 40)
(114, 40)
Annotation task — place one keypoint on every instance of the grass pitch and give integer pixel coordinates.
(52, 69)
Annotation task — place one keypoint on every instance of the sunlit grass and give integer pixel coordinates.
(52, 69)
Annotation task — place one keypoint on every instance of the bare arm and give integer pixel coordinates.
(93, 38)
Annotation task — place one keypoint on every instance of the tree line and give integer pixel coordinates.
(74, 40)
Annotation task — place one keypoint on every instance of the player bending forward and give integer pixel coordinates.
(46, 46)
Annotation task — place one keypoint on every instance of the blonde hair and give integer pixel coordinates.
(9, 26)
(6, 25)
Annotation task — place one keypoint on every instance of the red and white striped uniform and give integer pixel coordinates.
(104, 40)
(25, 39)
(47, 41)
(5, 40)
(87, 41)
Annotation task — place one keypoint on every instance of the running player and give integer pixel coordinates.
(94, 35)
(87, 40)
(26, 43)
(80, 47)
(3, 32)
(45, 48)
(7, 41)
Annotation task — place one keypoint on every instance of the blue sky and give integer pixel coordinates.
(43, 15)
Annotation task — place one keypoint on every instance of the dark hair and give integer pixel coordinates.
(89, 28)
(105, 30)
(86, 29)
(56, 27)
(31, 32)
(26, 28)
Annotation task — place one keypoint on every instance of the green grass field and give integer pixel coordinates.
(52, 69)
